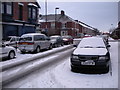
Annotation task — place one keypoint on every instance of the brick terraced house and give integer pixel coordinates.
(19, 18)
(61, 24)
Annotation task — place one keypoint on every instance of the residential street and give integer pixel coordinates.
(58, 75)
(59, 44)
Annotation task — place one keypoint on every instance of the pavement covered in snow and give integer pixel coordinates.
(60, 76)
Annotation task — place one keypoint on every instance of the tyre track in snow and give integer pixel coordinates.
(15, 73)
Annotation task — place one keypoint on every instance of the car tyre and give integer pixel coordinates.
(56, 45)
(23, 52)
(11, 55)
(37, 49)
(50, 47)
(73, 69)
(106, 70)
(62, 44)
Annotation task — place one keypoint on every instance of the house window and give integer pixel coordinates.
(29, 12)
(6, 8)
(9, 8)
(63, 33)
(52, 24)
(20, 12)
(2, 8)
(64, 25)
(32, 13)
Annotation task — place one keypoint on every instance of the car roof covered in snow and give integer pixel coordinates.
(32, 34)
(55, 36)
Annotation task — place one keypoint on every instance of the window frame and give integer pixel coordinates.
(2, 8)
(20, 15)
(5, 8)
(32, 15)
(9, 8)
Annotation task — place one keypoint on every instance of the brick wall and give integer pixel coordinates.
(25, 10)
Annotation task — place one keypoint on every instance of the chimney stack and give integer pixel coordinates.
(62, 13)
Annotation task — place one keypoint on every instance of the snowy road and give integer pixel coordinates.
(60, 76)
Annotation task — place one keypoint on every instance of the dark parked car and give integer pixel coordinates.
(67, 39)
(91, 53)
(56, 40)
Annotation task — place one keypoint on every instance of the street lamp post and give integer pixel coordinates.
(46, 27)
(56, 18)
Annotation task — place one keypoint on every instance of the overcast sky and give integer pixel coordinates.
(99, 15)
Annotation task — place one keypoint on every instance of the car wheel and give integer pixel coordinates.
(62, 44)
(38, 49)
(23, 52)
(56, 45)
(11, 55)
(50, 47)
(73, 69)
(106, 69)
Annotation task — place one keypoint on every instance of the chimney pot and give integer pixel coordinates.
(62, 12)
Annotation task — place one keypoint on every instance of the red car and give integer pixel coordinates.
(67, 39)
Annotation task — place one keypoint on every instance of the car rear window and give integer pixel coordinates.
(25, 39)
(53, 37)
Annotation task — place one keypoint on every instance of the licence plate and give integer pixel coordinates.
(89, 62)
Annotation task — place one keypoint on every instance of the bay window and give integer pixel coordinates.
(32, 13)
(6, 8)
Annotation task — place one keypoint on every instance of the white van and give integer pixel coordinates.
(34, 42)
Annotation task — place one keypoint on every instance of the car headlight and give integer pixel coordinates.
(75, 57)
(65, 39)
(103, 58)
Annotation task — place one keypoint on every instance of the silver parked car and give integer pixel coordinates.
(34, 42)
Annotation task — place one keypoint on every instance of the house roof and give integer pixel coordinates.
(59, 18)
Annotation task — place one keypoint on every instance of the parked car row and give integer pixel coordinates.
(32, 42)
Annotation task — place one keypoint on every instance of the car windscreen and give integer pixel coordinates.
(25, 39)
(91, 43)
(8, 39)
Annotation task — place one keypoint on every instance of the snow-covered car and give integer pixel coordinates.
(56, 40)
(91, 53)
(12, 41)
(8, 52)
(67, 39)
(76, 41)
(34, 42)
